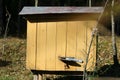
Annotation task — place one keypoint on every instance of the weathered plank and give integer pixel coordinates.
(41, 46)
(31, 45)
(51, 46)
(61, 45)
(71, 40)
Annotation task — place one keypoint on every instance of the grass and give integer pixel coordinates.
(105, 52)
(7, 78)
(12, 60)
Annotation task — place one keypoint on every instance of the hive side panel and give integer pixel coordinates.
(51, 46)
(71, 41)
(81, 44)
(92, 56)
(41, 46)
(31, 45)
(61, 44)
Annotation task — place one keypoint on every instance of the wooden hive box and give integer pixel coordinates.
(55, 33)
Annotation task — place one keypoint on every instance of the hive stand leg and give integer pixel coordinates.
(40, 77)
(35, 77)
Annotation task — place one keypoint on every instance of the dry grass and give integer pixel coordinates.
(12, 60)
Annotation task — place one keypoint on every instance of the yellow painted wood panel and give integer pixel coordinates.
(71, 41)
(40, 77)
(41, 46)
(92, 56)
(51, 46)
(81, 44)
(61, 44)
(54, 39)
(31, 45)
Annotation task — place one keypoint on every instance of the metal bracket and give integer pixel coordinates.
(70, 59)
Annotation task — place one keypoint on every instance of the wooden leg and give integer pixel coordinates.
(35, 77)
(40, 77)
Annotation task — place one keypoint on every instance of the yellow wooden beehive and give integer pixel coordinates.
(56, 33)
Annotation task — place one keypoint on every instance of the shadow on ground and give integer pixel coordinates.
(109, 71)
(4, 63)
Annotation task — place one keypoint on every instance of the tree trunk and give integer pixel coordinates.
(1, 16)
(115, 59)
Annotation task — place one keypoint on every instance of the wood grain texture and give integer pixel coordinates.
(31, 45)
(71, 41)
(61, 45)
(51, 46)
(41, 46)
(46, 41)
(81, 44)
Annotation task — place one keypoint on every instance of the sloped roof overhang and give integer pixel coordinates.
(60, 10)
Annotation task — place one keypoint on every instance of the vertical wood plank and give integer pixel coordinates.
(31, 45)
(51, 46)
(71, 40)
(92, 56)
(41, 46)
(61, 44)
(81, 44)
(35, 77)
(40, 77)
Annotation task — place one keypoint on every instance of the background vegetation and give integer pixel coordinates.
(13, 46)
(12, 60)
(17, 25)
